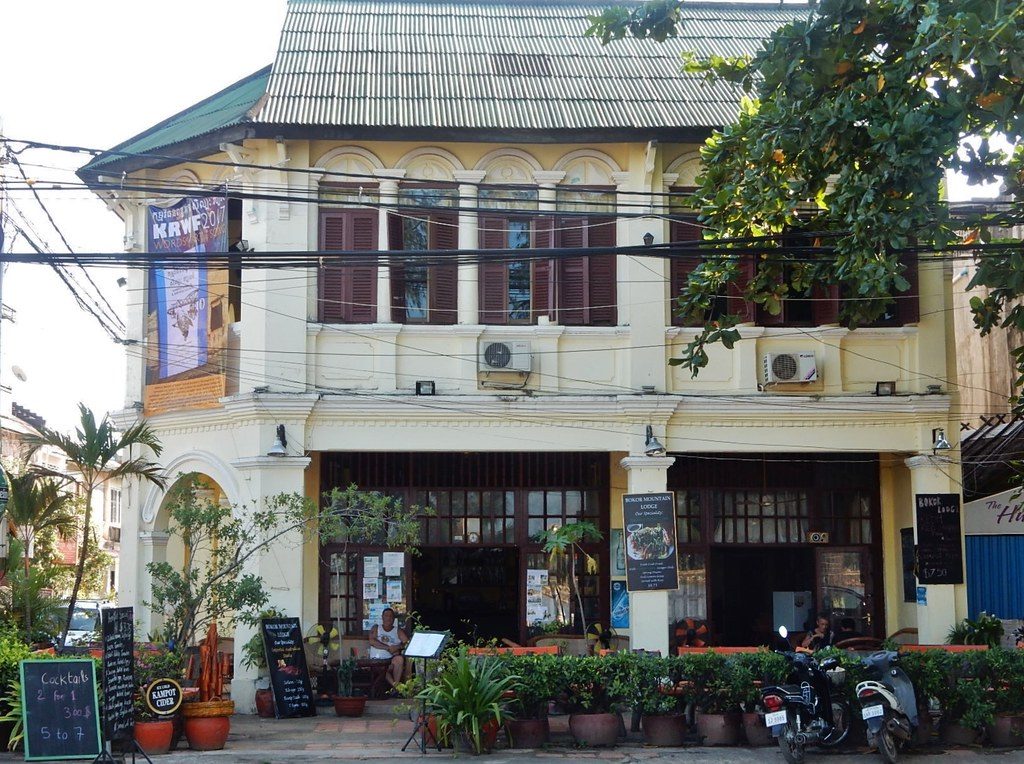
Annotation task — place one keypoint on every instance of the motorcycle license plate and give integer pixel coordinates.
(870, 712)
(779, 717)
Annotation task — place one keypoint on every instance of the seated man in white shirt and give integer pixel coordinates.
(387, 642)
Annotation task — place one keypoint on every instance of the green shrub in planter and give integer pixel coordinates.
(586, 685)
(1003, 671)
(536, 683)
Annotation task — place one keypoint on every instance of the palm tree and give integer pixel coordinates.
(92, 455)
(37, 504)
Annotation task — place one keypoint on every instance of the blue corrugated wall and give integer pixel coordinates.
(995, 576)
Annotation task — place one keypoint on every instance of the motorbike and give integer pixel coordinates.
(809, 708)
(888, 704)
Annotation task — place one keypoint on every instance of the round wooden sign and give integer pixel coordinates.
(163, 697)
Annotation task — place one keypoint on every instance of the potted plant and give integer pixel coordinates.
(154, 732)
(208, 719)
(1002, 671)
(569, 539)
(346, 702)
(591, 700)
(655, 693)
(469, 698)
(527, 726)
(255, 656)
(717, 694)
(750, 672)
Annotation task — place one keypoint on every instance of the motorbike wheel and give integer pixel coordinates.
(792, 751)
(888, 748)
(840, 725)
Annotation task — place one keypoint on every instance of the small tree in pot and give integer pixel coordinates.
(717, 694)
(346, 702)
(592, 697)
(536, 676)
(154, 732)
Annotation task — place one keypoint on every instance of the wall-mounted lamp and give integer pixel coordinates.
(648, 239)
(939, 442)
(425, 387)
(280, 443)
(122, 282)
(885, 388)
(652, 446)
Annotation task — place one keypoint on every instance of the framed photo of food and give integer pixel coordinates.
(650, 528)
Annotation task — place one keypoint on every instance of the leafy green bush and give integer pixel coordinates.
(535, 684)
(152, 663)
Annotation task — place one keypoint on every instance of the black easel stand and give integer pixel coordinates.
(421, 727)
(133, 748)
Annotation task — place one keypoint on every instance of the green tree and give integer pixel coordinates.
(94, 456)
(854, 116)
(569, 539)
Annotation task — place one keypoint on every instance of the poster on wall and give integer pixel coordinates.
(618, 550)
(940, 557)
(620, 605)
(651, 556)
(187, 322)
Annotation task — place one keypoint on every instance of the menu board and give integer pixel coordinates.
(118, 672)
(61, 713)
(651, 557)
(939, 551)
(289, 675)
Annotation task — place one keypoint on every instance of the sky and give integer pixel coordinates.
(93, 74)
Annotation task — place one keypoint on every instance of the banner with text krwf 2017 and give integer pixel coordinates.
(186, 321)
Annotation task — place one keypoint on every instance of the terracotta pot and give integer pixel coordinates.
(718, 729)
(595, 729)
(433, 737)
(1006, 730)
(528, 733)
(956, 734)
(925, 727)
(154, 737)
(664, 729)
(265, 704)
(757, 732)
(207, 723)
(489, 736)
(349, 705)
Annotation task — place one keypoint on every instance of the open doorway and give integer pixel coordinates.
(743, 583)
(471, 591)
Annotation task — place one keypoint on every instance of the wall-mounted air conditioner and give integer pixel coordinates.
(504, 356)
(784, 368)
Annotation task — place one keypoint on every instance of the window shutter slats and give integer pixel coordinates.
(908, 304)
(572, 291)
(543, 276)
(444, 293)
(363, 300)
(737, 305)
(603, 295)
(493, 293)
(680, 268)
(825, 306)
(348, 293)
(445, 231)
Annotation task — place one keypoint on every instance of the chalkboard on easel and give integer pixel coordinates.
(61, 711)
(118, 672)
(940, 557)
(289, 674)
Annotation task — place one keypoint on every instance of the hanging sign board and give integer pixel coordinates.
(651, 556)
(1001, 514)
(163, 697)
(61, 712)
(289, 674)
(118, 626)
(939, 551)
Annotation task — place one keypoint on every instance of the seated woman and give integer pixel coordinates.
(386, 643)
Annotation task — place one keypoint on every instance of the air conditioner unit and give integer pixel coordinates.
(504, 356)
(789, 367)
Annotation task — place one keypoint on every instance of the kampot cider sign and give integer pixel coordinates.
(163, 697)
(650, 533)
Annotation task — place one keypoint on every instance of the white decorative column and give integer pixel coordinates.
(931, 474)
(648, 611)
(152, 547)
(388, 199)
(469, 273)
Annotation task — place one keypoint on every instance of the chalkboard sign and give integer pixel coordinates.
(939, 552)
(289, 675)
(118, 672)
(61, 712)
(650, 520)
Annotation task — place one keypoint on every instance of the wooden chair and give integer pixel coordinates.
(517, 650)
(719, 650)
(907, 636)
(859, 643)
(571, 644)
(947, 648)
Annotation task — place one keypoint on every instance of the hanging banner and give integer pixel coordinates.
(187, 321)
(651, 557)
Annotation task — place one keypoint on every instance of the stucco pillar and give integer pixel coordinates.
(547, 201)
(930, 474)
(278, 566)
(648, 611)
(468, 292)
(152, 547)
(388, 198)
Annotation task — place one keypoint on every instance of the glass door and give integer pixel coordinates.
(845, 588)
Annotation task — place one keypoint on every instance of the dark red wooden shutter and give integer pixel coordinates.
(737, 305)
(602, 294)
(493, 276)
(396, 243)
(542, 285)
(330, 280)
(363, 296)
(572, 272)
(908, 304)
(443, 286)
(348, 294)
(681, 267)
(826, 304)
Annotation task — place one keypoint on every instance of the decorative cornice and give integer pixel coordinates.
(271, 462)
(469, 176)
(390, 174)
(646, 462)
(548, 177)
(154, 538)
(927, 461)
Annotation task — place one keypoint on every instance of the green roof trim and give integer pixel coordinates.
(231, 106)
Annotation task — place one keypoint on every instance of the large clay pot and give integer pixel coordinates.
(664, 729)
(265, 704)
(528, 733)
(595, 729)
(757, 732)
(718, 729)
(348, 705)
(207, 724)
(1006, 730)
(956, 734)
(154, 737)
(925, 727)
(488, 735)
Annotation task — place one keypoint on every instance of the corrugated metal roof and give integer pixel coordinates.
(428, 64)
(231, 106)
